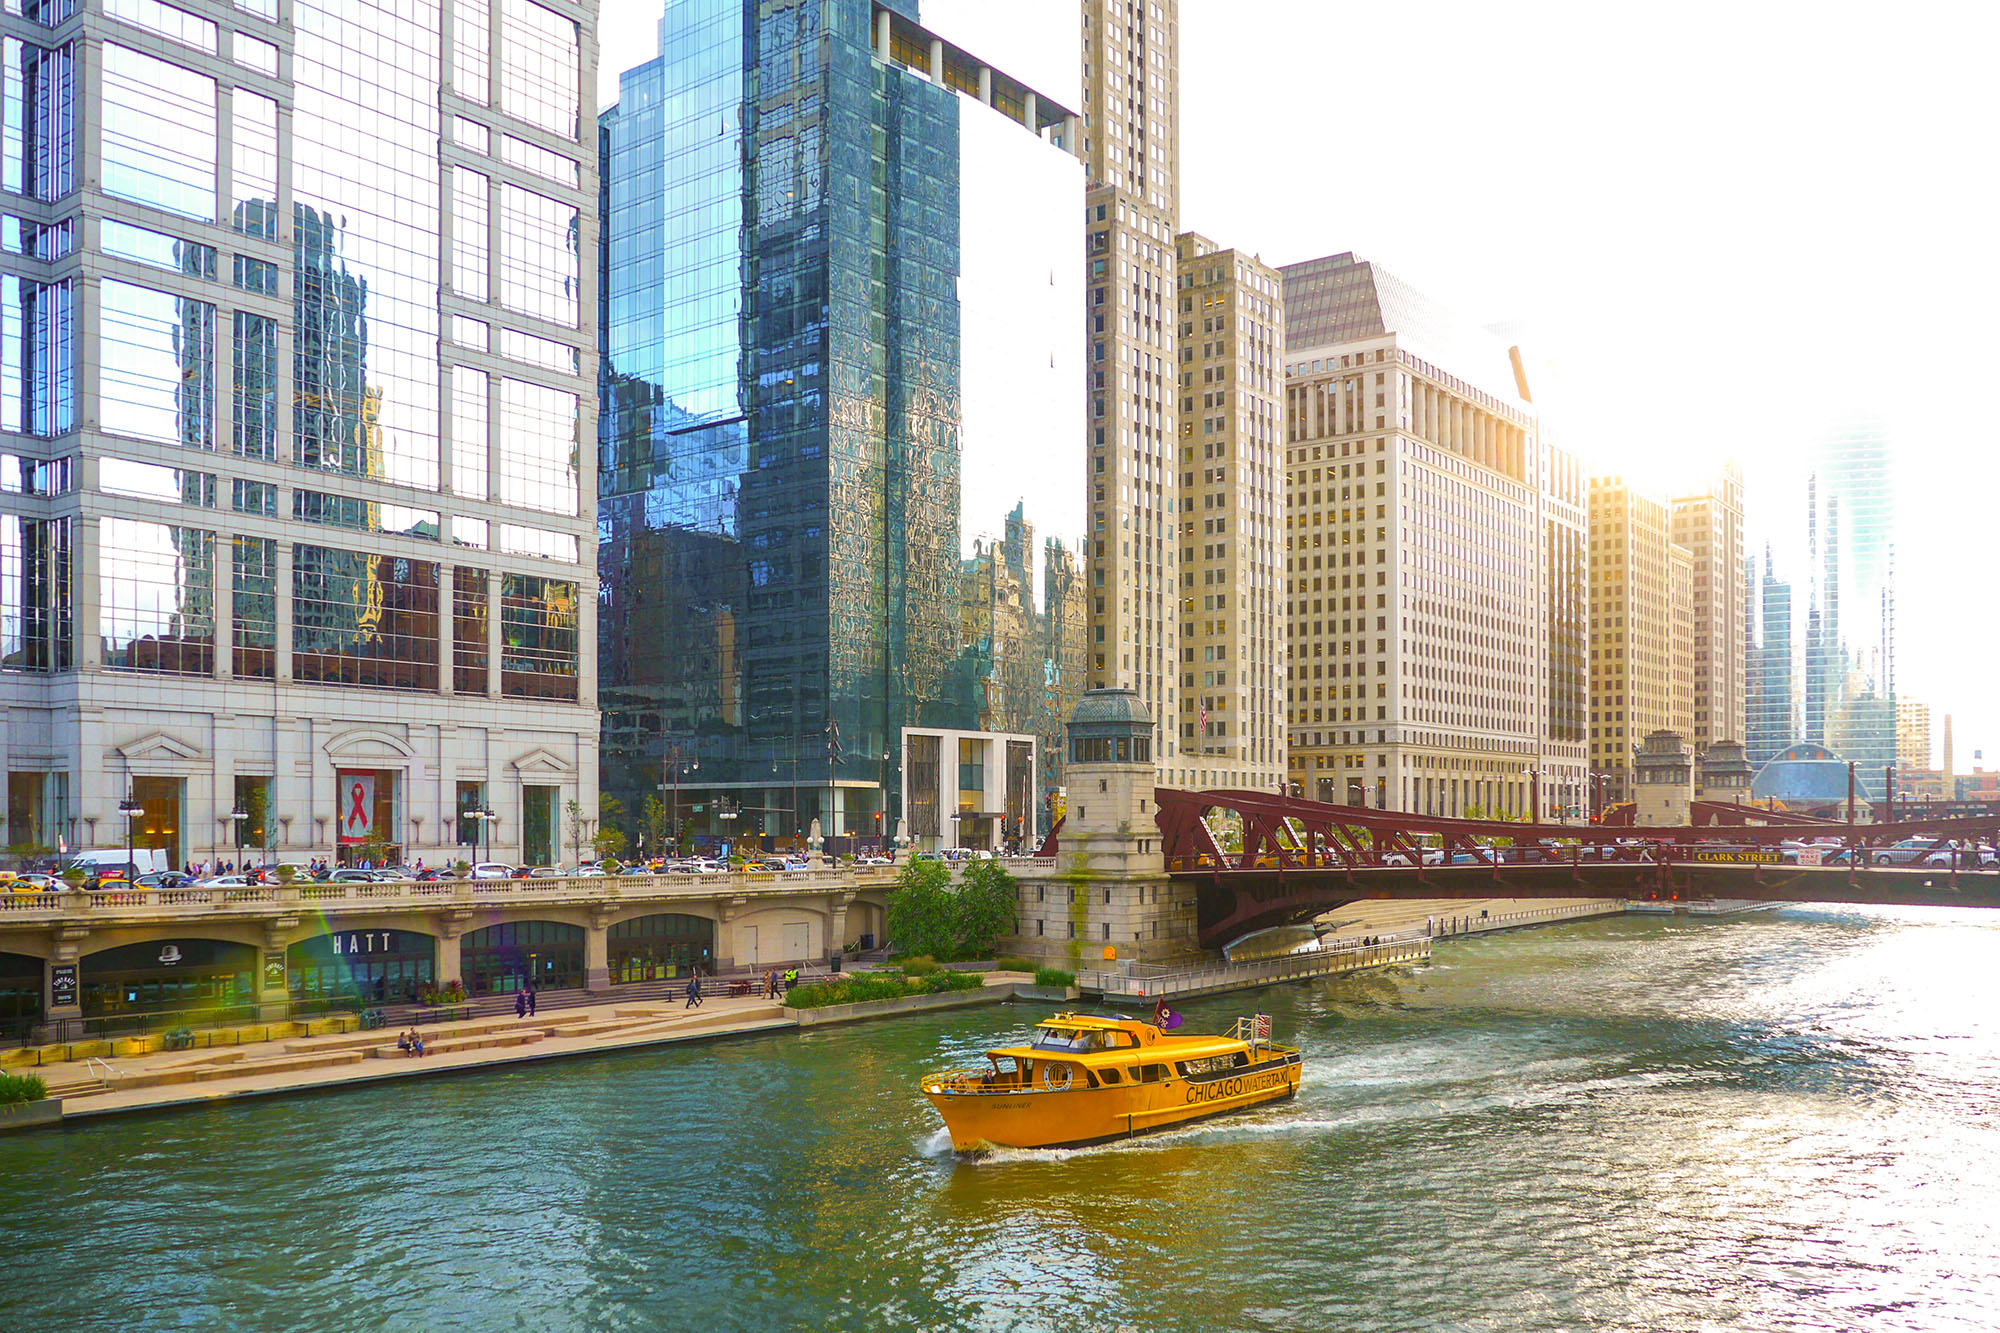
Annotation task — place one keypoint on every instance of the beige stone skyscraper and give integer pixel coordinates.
(1710, 525)
(1131, 158)
(1231, 722)
(1641, 625)
(1432, 560)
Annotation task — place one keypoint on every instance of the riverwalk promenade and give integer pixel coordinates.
(290, 1062)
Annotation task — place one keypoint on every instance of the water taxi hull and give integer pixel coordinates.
(1073, 1118)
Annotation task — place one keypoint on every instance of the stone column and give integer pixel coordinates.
(1028, 112)
(881, 36)
(986, 84)
(836, 922)
(450, 926)
(597, 951)
(937, 61)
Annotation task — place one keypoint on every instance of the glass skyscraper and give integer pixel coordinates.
(841, 345)
(297, 361)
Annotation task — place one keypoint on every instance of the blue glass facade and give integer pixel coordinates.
(779, 471)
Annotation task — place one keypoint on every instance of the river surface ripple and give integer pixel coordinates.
(1780, 1122)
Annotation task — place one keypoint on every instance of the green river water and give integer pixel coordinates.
(1787, 1121)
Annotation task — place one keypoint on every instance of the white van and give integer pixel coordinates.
(143, 859)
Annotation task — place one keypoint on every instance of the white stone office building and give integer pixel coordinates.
(1435, 567)
(299, 348)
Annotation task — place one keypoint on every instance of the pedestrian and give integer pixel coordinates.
(531, 1001)
(771, 984)
(520, 1004)
(694, 992)
(791, 978)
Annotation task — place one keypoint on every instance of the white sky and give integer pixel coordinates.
(1721, 223)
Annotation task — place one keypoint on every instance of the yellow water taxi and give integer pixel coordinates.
(1083, 1079)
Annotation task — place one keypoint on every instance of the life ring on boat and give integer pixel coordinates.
(1057, 1076)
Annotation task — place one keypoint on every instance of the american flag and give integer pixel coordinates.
(1204, 717)
(1263, 1027)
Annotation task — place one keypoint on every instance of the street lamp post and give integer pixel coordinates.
(677, 762)
(236, 817)
(132, 811)
(485, 816)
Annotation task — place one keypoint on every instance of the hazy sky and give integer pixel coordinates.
(1721, 224)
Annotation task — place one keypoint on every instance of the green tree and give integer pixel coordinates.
(658, 822)
(610, 839)
(923, 909)
(987, 899)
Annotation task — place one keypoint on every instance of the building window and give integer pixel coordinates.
(368, 620)
(156, 587)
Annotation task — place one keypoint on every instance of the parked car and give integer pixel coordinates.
(873, 861)
(227, 882)
(163, 879)
(492, 870)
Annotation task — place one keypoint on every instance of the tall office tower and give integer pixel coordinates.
(1857, 685)
(1710, 526)
(1232, 630)
(843, 375)
(1431, 545)
(1641, 589)
(1913, 734)
(293, 515)
(1774, 720)
(1131, 151)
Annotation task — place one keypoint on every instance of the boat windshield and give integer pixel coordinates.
(1078, 1040)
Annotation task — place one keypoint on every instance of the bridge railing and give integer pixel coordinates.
(259, 899)
(1155, 980)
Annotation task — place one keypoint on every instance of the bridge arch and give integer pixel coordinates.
(505, 956)
(659, 946)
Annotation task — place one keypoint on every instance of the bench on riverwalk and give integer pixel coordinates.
(284, 1064)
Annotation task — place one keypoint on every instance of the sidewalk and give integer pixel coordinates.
(1462, 916)
(180, 1078)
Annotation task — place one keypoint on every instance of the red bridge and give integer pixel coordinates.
(1300, 858)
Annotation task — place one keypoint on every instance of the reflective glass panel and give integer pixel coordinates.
(468, 630)
(515, 539)
(469, 532)
(361, 619)
(156, 248)
(157, 367)
(149, 481)
(538, 447)
(539, 69)
(538, 239)
(156, 597)
(469, 444)
(346, 511)
(176, 25)
(253, 155)
(159, 133)
(469, 211)
(254, 605)
(35, 610)
(538, 620)
(366, 220)
(254, 369)
(254, 54)
(472, 53)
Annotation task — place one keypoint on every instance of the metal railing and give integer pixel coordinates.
(169, 903)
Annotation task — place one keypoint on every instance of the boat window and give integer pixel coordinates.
(1068, 1039)
(1111, 1076)
(1152, 1073)
(1212, 1064)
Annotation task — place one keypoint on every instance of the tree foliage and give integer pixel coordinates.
(986, 902)
(921, 910)
(929, 915)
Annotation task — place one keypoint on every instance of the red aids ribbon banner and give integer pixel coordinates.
(356, 792)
